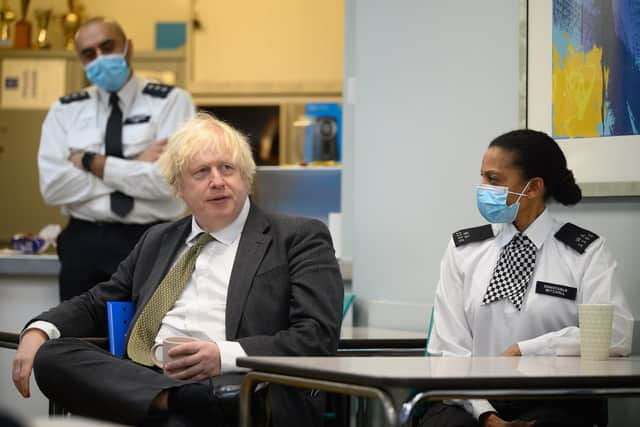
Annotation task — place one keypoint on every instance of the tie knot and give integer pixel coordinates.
(522, 240)
(203, 239)
(113, 99)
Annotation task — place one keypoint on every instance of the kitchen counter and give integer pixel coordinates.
(29, 265)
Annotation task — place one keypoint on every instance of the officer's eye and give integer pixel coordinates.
(107, 46)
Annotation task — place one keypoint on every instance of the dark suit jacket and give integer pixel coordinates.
(285, 291)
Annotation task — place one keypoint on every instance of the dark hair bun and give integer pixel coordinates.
(539, 155)
(566, 191)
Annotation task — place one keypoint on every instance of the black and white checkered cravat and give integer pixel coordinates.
(513, 272)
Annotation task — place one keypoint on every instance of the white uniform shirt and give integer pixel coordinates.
(200, 310)
(80, 124)
(546, 325)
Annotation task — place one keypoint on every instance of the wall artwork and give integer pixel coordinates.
(583, 87)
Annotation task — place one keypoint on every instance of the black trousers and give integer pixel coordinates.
(546, 412)
(90, 253)
(87, 380)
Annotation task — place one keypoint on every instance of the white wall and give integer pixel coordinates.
(434, 82)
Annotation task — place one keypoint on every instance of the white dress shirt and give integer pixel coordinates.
(80, 125)
(546, 325)
(200, 310)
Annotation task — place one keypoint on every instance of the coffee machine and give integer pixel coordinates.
(322, 136)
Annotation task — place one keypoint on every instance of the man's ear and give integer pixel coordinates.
(536, 188)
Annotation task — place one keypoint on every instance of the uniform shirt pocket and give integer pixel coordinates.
(136, 137)
(87, 139)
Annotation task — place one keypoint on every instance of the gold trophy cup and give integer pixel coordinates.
(7, 16)
(70, 24)
(43, 16)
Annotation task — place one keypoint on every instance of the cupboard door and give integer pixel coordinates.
(24, 210)
(257, 46)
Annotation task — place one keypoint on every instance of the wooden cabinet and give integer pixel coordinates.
(256, 47)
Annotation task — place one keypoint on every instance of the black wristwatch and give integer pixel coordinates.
(87, 158)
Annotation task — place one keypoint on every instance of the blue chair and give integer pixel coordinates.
(346, 304)
(429, 329)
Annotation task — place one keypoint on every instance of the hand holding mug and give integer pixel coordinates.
(187, 358)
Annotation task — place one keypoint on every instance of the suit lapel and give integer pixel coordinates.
(169, 246)
(252, 247)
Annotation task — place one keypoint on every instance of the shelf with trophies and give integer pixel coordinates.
(48, 30)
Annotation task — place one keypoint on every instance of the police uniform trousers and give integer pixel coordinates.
(87, 380)
(546, 412)
(90, 252)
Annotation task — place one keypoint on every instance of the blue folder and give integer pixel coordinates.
(119, 314)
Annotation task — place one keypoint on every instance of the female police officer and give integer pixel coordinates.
(513, 288)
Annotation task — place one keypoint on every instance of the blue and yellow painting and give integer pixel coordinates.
(596, 68)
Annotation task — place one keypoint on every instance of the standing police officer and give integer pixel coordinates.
(97, 157)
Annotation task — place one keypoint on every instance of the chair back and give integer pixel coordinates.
(429, 328)
(346, 304)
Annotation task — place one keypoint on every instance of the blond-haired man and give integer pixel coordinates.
(265, 285)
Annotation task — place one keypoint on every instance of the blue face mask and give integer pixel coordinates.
(492, 203)
(109, 72)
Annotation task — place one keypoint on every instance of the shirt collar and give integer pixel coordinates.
(227, 235)
(537, 232)
(125, 94)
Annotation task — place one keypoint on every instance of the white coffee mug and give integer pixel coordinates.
(167, 344)
(595, 330)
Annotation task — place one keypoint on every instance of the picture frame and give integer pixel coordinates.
(604, 166)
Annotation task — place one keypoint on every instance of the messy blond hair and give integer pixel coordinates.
(205, 133)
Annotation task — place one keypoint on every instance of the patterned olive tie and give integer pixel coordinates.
(144, 331)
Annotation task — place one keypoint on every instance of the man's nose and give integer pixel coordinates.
(216, 179)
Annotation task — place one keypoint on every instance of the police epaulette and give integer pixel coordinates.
(575, 237)
(157, 90)
(73, 97)
(475, 234)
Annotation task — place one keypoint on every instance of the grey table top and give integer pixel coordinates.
(440, 373)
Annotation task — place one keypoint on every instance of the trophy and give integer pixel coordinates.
(7, 16)
(22, 38)
(70, 24)
(42, 19)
